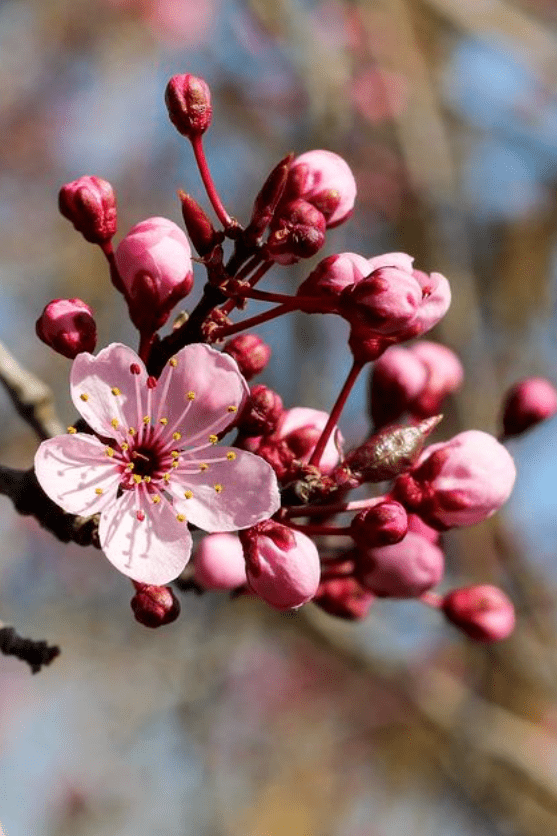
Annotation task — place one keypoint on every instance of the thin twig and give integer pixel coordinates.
(31, 397)
(35, 653)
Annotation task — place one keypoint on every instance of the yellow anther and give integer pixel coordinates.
(174, 454)
(84, 396)
(131, 430)
(146, 419)
(176, 436)
(190, 396)
(188, 494)
(115, 390)
(109, 452)
(181, 517)
(213, 438)
(163, 421)
(231, 456)
(137, 478)
(125, 446)
(173, 362)
(175, 463)
(130, 466)
(218, 488)
(99, 491)
(203, 467)
(115, 423)
(72, 430)
(156, 499)
(232, 408)
(147, 479)
(166, 477)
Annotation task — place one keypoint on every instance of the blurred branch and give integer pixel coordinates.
(31, 397)
(35, 653)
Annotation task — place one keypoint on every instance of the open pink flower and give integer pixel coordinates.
(152, 467)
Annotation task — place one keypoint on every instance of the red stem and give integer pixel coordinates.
(210, 188)
(357, 367)
(229, 330)
(337, 508)
(145, 345)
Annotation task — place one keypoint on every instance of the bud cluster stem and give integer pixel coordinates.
(208, 182)
(357, 367)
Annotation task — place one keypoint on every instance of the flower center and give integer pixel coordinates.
(146, 461)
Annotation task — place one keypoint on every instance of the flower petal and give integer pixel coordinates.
(94, 380)
(152, 550)
(201, 393)
(72, 468)
(230, 494)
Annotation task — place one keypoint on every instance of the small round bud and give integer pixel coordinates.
(155, 267)
(68, 326)
(527, 403)
(219, 562)
(332, 275)
(250, 352)
(90, 204)
(340, 594)
(262, 411)
(188, 100)
(482, 612)
(154, 606)
(405, 570)
(297, 231)
(382, 525)
(325, 180)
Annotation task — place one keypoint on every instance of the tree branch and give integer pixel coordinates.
(35, 653)
(31, 397)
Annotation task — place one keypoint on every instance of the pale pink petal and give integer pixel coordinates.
(230, 494)
(201, 394)
(71, 468)
(153, 550)
(92, 380)
(400, 260)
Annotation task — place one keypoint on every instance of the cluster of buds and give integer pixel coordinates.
(275, 501)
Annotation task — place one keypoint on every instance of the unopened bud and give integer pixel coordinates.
(382, 525)
(325, 180)
(188, 100)
(250, 352)
(90, 204)
(340, 594)
(297, 231)
(219, 562)
(482, 612)
(406, 569)
(261, 412)
(268, 199)
(201, 231)
(154, 606)
(527, 404)
(322, 288)
(68, 326)
(301, 428)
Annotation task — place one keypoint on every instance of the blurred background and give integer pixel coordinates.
(236, 720)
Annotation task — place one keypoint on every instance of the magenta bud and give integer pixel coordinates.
(155, 267)
(188, 100)
(444, 377)
(527, 403)
(219, 562)
(201, 231)
(250, 352)
(340, 594)
(322, 288)
(262, 411)
(154, 606)
(398, 378)
(90, 204)
(297, 231)
(387, 300)
(67, 326)
(268, 199)
(382, 525)
(404, 570)
(482, 612)
(325, 180)
(282, 565)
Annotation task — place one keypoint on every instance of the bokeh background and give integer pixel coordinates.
(236, 720)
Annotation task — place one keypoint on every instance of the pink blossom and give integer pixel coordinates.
(323, 286)
(403, 570)
(527, 403)
(90, 204)
(283, 565)
(301, 428)
(151, 466)
(324, 179)
(67, 326)
(155, 267)
(381, 525)
(444, 376)
(219, 562)
(482, 612)
(458, 482)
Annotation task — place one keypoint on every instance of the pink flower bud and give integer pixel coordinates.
(201, 231)
(458, 482)
(154, 606)
(404, 570)
(482, 612)
(325, 180)
(188, 100)
(398, 378)
(387, 300)
(382, 525)
(219, 562)
(340, 594)
(444, 376)
(418, 526)
(250, 352)
(297, 231)
(331, 276)
(90, 204)
(154, 263)
(301, 429)
(282, 565)
(262, 411)
(68, 326)
(527, 403)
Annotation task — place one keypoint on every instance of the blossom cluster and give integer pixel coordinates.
(144, 460)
